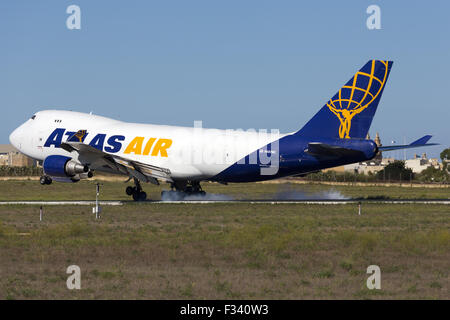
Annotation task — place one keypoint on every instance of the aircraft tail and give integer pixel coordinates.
(349, 113)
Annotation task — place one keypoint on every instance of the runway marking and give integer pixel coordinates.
(58, 203)
(274, 202)
(321, 202)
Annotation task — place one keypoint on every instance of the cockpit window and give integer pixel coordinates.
(33, 117)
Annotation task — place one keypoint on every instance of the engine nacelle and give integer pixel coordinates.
(63, 167)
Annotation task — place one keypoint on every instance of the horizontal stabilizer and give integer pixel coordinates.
(422, 142)
(326, 150)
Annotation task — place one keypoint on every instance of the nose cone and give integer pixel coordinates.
(15, 138)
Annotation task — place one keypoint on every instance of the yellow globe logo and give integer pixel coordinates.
(356, 96)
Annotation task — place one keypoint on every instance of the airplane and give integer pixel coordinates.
(73, 145)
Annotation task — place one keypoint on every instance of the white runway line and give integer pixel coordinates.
(328, 202)
(253, 202)
(149, 202)
(59, 203)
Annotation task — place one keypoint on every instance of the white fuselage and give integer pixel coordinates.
(189, 153)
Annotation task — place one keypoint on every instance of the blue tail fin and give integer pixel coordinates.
(350, 112)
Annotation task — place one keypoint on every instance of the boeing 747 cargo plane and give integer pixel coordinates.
(73, 145)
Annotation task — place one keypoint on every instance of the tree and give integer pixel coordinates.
(431, 174)
(395, 171)
(445, 157)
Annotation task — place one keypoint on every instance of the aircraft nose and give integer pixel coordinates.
(14, 138)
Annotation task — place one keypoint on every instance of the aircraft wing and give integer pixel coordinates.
(96, 159)
(326, 150)
(422, 142)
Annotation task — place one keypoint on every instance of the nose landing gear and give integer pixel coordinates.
(136, 192)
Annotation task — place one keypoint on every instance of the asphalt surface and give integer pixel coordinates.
(318, 202)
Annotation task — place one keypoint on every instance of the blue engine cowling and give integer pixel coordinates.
(63, 167)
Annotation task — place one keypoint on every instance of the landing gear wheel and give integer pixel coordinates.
(45, 180)
(130, 190)
(139, 196)
(182, 190)
(136, 192)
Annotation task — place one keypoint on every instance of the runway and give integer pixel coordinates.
(61, 203)
(273, 202)
(317, 202)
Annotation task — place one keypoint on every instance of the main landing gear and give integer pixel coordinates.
(136, 192)
(182, 189)
(45, 180)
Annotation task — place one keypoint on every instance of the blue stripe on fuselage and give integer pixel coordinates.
(293, 160)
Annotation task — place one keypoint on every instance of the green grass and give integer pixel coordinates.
(225, 251)
(85, 190)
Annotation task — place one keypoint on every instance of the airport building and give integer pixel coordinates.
(10, 156)
(418, 164)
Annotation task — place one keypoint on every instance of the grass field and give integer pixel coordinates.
(222, 251)
(85, 190)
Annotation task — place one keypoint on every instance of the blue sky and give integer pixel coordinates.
(232, 64)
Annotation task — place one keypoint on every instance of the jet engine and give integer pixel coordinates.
(64, 169)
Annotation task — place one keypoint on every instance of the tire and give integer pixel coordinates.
(135, 196)
(142, 196)
(129, 190)
(43, 180)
